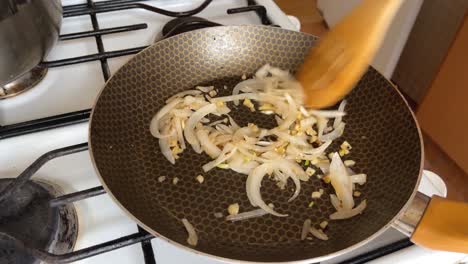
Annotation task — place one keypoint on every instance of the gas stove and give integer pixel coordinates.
(44, 133)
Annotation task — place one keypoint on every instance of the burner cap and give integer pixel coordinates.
(28, 217)
(23, 83)
(185, 24)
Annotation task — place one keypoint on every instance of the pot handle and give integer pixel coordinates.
(438, 223)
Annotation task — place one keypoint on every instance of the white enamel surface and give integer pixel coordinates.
(74, 87)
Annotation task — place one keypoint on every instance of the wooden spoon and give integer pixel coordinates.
(342, 56)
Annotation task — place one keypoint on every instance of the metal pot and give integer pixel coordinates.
(28, 30)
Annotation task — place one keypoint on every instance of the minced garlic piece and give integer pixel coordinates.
(346, 145)
(309, 171)
(311, 204)
(343, 152)
(161, 178)
(212, 93)
(316, 195)
(323, 224)
(357, 193)
(175, 180)
(200, 178)
(233, 209)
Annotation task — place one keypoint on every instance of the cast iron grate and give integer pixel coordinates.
(91, 8)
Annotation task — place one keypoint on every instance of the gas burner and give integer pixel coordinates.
(185, 24)
(23, 83)
(28, 216)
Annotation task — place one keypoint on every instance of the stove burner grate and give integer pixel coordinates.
(92, 8)
(28, 216)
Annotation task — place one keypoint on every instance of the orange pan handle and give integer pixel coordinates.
(437, 223)
(444, 226)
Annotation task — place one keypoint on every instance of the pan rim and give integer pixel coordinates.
(229, 260)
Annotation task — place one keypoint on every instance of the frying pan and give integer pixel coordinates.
(386, 141)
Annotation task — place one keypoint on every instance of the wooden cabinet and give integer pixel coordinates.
(443, 113)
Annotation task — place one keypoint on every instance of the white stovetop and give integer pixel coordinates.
(74, 88)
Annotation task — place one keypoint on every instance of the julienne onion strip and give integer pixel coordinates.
(200, 117)
(192, 235)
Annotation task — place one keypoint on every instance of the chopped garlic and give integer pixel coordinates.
(233, 209)
(307, 163)
(323, 224)
(330, 155)
(161, 178)
(200, 178)
(349, 163)
(265, 107)
(311, 204)
(316, 195)
(343, 152)
(218, 215)
(175, 180)
(225, 87)
(249, 104)
(309, 171)
(243, 76)
(346, 145)
(223, 166)
(357, 193)
(212, 93)
(280, 150)
(321, 191)
(326, 178)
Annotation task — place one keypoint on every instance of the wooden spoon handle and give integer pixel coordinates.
(334, 66)
(444, 226)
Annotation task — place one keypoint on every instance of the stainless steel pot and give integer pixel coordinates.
(28, 30)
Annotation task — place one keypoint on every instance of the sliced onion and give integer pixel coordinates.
(165, 150)
(335, 202)
(305, 228)
(227, 152)
(154, 125)
(327, 113)
(182, 94)
(225, 129)
(205, 89)
(192, 235)
(238, 164)
(308, 122)
(292, 113)
(341, 182)
(253, 184)
(321, 125)
(359, 178)
(209, 147)
(189, 130)
(233, 123)
(247, 86)
(318, 233)
(338, 119)
(246, 215)
(180, 133)
(334, 134)
(348, 213)
(214, 123)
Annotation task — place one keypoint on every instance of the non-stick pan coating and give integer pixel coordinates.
(379, 126)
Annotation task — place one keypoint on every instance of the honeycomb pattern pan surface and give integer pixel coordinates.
(380, 127)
